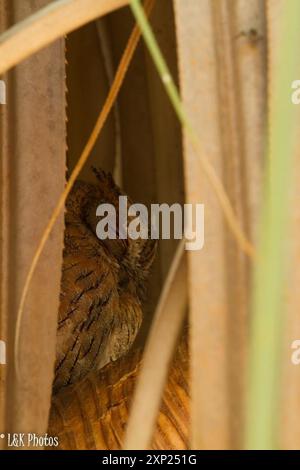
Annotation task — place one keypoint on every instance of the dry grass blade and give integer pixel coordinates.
(166, 326)
(49, 23)
(114, 90)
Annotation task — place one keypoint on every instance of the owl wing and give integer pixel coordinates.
(88, 305)
(88, 298)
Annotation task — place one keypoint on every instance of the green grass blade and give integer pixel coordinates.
(267, 322)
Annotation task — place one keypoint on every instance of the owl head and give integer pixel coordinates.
(134, 255)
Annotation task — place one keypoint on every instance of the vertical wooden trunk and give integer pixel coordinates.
(223, 81)
(32, 177)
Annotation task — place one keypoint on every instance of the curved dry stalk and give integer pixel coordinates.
(48, 24)
(167, 322)
(114, 90)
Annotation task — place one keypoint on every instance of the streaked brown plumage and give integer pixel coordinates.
(101, 288)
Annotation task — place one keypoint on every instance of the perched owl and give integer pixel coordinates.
(102, 286)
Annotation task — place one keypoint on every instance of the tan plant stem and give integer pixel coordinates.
(48, 24)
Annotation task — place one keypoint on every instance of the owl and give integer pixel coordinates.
(102, 286)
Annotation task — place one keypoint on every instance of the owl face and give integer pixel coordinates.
(134, 256)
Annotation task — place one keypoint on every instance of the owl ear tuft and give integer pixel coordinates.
(107, 186)
(104, 177)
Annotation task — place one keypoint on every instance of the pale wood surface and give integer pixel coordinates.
(33, 159)
(222, 77)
